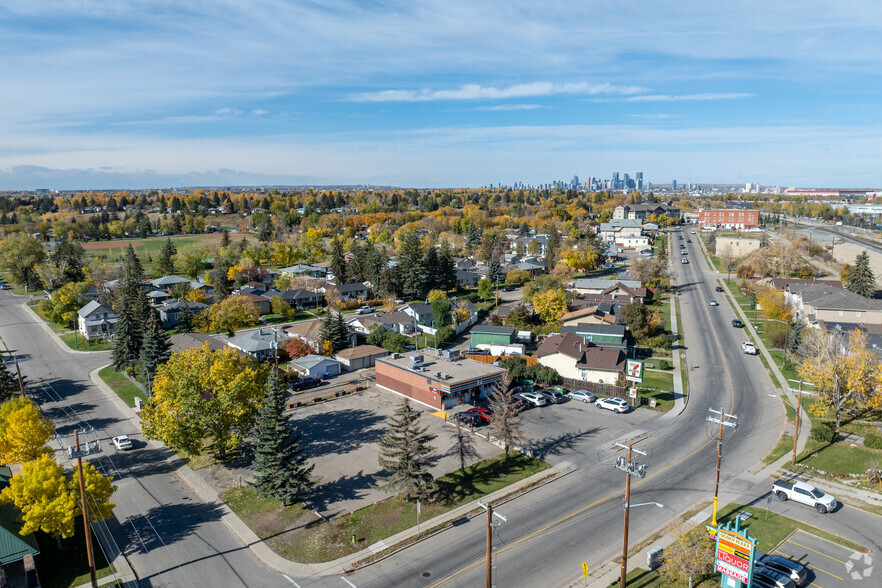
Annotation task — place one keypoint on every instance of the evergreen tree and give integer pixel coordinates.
(430, 269)
(552, 249)
(410, 267)
(165, 265)
(280, 466)
(132, 308)
(795, 336)
(338, 261)
(406, 453)
(220, 280)
(861, 279)
(8, 383)
(446, 268)
(326, 331)
(524, 229)
(473, 236)
(157, 347)
(339, 332)
(494, 269)
(225, 238)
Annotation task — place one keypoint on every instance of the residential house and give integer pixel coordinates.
(873, 333)
(627, 233)
(262, 302)
(17, 551)
(644, 210)
(599, 314)
(316, 366)
(532, 244)
(353, 291)
(728, 219)
(302, 298)
(170, 312)
(359, 358)
(181, 342)
(303, 269)
(575, 358)
(397, 321)
(738, 246)
(96, 320)
(158, 297)
(422, 312)
(483, 336)
(821, 302)
(602, 335)
(620, 291)
(168, 283)
(597, 286)
(309, 333)
(467, 279)
(260, 344)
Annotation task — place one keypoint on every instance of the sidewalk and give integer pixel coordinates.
(679, 394)
(339, 566)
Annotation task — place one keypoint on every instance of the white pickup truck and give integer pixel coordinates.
(805, 494)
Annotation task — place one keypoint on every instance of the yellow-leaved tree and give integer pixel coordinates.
(49, 500)
(774, 304)
(843, 369)
(232, 313)
(551, 304)
(203, 395)
(581, 258)
(24, 431)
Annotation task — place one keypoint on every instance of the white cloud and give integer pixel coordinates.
(686, 97)
(478, 92)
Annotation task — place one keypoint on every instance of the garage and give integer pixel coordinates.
(316, 366)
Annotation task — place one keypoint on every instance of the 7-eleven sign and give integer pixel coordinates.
(634, 370)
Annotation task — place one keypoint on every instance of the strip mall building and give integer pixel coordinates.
(431, 379)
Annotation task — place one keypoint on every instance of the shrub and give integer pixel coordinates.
(777, 334)
(823, 433)
(473, 297)
(873, 441)
(664, 365)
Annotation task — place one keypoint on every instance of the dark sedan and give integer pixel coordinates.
(305, 383)
(737, 324)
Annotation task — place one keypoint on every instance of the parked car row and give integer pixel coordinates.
(774, 570)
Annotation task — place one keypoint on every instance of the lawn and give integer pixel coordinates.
(146, 249)
(80, 343)
(298, 535)
(785, 445)
(640, 578)
(771, 530)
(658, 380)
(839, 458)
(664, 400)
(120, 384)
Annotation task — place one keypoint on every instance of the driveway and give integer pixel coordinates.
(342, 438)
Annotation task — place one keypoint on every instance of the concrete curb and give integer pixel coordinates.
(271, 559)
(55, 336)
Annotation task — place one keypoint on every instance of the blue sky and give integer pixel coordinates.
(99, 94)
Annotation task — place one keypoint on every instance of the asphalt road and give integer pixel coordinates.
(170, 537)
(578, 518)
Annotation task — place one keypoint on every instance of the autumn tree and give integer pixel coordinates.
(437, 295)
(462, 446)
(550, 305)
(24, 431)
(280, 466)
(406, 453)
(861, 279)
(232, 313)
(652, 273)
(843, 369)
(774, 304)
(690, 557)
(296, 347)
(485, 288)
(517, 277)
(281, 307)
(62, 305)
(201, 395)
(19, 253)
(505, 424)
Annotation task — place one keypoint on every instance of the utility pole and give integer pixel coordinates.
(798, 408)
(85, 506)
(490, 527)
(723, 421)
(629, 467)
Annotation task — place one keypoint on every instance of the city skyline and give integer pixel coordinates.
(437, 94)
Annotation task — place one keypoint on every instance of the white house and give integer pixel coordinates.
(96, 320)
(315, 366)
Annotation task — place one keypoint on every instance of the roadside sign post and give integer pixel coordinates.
(585, 573)
(734, 555)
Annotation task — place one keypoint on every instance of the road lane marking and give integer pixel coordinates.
(818, 552)
(348, 582)
(296, 585)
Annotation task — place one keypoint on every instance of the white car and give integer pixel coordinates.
(533, 398)
(748, 348)
(583, 395)
(122, 442)
(364, 310)
(713, 302)
(617, 405)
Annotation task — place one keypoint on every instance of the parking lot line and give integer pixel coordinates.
(818, 552)
(816, 585)
(440, 414)
(813, 566)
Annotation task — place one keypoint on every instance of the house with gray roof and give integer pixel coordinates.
(597, 286)
(315, 365)
(302, 298)
(600, 334)
(259, 344)
(170, 312)
(826, 302)
(305, 269)
(169, 282)
(96, 321)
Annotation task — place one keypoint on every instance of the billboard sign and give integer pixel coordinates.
(634, 370)
(734, 554)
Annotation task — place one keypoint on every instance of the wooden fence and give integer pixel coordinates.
(602, 389)
(491, 358)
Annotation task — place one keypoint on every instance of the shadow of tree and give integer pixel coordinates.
(174, 521)
(339, 431)
(555, 444)
(343, 488)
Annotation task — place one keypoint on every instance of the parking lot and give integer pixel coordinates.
(831, 565)
(341, 438)
(576, 431)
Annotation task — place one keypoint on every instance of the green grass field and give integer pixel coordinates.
(120, 384)
(146, 249)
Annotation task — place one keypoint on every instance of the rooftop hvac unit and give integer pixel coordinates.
(395, 355)
(438, 375)
(416, 360)
(451, 354)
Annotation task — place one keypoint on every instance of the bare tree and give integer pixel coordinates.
(505, 424)
(727, 257)
(463, 446)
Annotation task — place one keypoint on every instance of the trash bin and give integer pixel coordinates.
(654, 558)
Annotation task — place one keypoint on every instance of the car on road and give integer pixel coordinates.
(718, 289)
(583, 395)
(713, 302)
(748, 348)
(305, 383)
(737, 324)
(122, 442)
(364, 310)
(553, 396)
(617, 405)
(684, 252)
(680, 237)
(469, 419)
(509, 288)
(533, 398)
(798, 573)
(692, 232)
(484, 413)
(769, 577)
(689, 240)
(804, 494)
(684, 261)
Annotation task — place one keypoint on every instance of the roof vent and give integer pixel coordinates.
(438, 375)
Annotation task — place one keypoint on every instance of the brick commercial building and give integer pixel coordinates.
(438, 380)
(728, 219)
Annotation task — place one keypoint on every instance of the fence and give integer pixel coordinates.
(491, 358)
(602, 389)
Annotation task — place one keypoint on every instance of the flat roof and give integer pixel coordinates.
(453, 373)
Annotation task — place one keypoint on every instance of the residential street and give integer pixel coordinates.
(169, 536)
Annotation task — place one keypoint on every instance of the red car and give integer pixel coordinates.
(484, 413)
